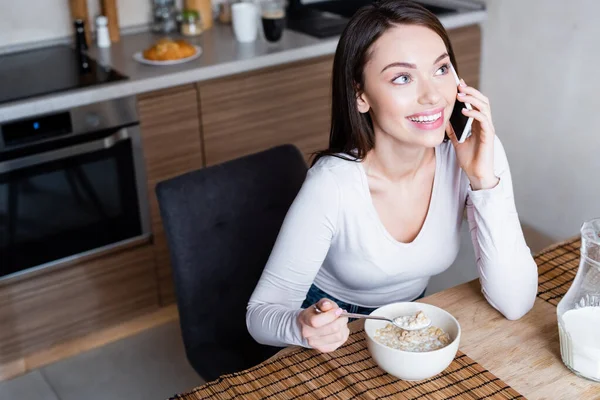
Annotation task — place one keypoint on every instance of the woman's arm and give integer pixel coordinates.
(507, 271)
(297, 256)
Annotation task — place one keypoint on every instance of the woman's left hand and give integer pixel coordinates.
(476, 154)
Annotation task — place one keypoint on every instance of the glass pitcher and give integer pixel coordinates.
(579, 311)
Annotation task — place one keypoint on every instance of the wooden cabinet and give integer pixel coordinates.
(252, 112)
(466, 43)
(170, 126)
(46, 308)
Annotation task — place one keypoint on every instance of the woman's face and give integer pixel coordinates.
(408, 86)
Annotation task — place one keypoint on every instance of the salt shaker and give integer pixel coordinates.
(102, 35)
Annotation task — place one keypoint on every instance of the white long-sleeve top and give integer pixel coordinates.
(332, 236)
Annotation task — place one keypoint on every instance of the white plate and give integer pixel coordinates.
(139, 57)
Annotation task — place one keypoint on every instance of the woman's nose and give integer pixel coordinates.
(428, 93)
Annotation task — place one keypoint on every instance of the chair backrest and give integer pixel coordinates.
(221, 223)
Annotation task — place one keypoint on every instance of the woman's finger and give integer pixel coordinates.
(316, 319)
(338, 337)
(473, 92)
(474, 101)
(451, 134)
(486, 126)
(331, 328)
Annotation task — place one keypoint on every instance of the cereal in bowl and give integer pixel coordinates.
(410, 322)
(426, 339)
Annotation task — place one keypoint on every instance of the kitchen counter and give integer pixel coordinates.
(222, 56)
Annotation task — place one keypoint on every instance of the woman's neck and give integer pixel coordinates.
(395, 161)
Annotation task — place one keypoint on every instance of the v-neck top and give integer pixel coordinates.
(375, 215)
(333, 237)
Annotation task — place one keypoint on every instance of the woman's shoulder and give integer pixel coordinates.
(338, 166)
(334, 174)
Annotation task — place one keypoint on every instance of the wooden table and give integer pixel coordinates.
(523, 354)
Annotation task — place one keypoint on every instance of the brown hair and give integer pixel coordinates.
(351, 133)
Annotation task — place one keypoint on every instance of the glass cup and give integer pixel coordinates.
(273, 19)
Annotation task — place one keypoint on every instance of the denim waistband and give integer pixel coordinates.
(315, 294)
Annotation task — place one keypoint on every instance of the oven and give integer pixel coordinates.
(72, 183)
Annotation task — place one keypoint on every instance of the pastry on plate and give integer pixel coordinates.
(168, 50)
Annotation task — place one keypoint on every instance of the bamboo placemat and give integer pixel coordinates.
(557, 266)
(350, 373)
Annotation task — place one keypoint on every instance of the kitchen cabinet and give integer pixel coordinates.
(255, 111)
(466, 43)
(170, 125)
(54, 305)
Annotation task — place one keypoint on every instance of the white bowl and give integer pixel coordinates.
(408, 365)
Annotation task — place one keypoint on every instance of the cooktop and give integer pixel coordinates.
(327, 18)
(50, 70)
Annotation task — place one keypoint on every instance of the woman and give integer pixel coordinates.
(381, 209)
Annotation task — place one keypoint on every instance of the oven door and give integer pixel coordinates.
(71, 201)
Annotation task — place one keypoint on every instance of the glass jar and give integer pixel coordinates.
(164, 16)
(191, 23)
(578, 312)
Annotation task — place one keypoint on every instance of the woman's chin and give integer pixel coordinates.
(429, 138)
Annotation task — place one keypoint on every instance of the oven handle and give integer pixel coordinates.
(83, 148)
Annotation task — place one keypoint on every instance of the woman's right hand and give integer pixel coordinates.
(324, 331)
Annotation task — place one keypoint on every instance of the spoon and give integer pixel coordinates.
(407, 322)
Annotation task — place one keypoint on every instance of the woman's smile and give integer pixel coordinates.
(428, 120)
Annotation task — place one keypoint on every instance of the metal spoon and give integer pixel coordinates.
(400, 321)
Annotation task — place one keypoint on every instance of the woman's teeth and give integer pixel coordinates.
(426, 118)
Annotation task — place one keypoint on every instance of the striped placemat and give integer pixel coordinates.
(557, 267)
(350, 373)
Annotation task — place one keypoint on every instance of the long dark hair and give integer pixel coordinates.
(351, 135)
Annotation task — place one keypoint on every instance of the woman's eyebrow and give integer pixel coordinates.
(440, 58)
(412, 66)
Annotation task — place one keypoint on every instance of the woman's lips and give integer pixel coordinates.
(427, 120)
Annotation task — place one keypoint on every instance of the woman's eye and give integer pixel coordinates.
(402, 80)
(443, 70)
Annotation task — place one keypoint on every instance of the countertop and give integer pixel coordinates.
(222, 56)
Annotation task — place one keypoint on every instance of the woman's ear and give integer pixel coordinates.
(362, 104)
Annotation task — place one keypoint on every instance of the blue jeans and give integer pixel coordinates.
(315, 294)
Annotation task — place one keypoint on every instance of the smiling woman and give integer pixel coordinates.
(381, 208)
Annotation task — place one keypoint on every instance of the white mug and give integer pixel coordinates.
(245, 21)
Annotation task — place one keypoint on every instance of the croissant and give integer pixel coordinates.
(167, 49)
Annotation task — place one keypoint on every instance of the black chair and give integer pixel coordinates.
(221, 223)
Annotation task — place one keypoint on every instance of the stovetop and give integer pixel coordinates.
(324, 19)
(50, 70)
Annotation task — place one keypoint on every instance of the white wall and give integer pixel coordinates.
(540, 69)
(29, 21)
(24, 22)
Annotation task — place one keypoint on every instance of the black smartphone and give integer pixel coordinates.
(460, 122)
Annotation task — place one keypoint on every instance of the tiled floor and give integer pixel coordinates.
(152, 364)
(148, 366)
(30, 386)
